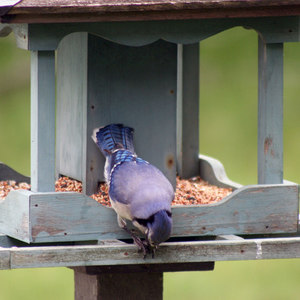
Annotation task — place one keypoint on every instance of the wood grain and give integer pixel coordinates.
(126, 255)
(42, 121)
(49, 11)
(54, 217)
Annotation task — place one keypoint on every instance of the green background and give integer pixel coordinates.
(228, 132)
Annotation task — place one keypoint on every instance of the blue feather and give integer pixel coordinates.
(138, 191)
(112, 137)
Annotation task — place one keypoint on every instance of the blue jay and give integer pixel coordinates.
(138, 191)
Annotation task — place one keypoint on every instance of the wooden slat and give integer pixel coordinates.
(75, 217)
(270, 112)
(213, 171)
(65, 217)
(188, 110)
(248, 210)
(48, 36)
(14, 216)
(177, 252)
(47, 11)
(72, 93)
(42, 121)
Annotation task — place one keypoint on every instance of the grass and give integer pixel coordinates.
(228, 126)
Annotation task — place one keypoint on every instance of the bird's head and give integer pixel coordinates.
(159, 227)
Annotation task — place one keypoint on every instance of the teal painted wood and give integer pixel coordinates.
(48, 36)
(42, 121)
(14, 216)
(125, 255)
(188, 111)
(54, 217)
(131, 85)
(270, 113)
(213, 171)
(248, 210)
(71, 106)
(135, 86)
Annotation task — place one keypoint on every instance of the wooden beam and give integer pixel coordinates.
(168, 253)
(188, 110)
(118, 286)
(47, 11)
(270, 112)
(42, 121)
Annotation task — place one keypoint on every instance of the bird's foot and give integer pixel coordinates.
(137, 240)
(143, 245)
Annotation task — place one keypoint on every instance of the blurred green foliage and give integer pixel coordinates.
(228, 132)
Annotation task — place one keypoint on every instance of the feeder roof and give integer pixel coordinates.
(58, 11)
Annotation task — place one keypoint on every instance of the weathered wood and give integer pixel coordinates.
(118, 286)
(42, 121)
(213, 171)
(72, 82)
(29, 11)
(177, 252)
(248, 210)
(14, 216)
(75, 217)
(48, 36)
(53, 217)
(114, 87)
(270, 113)
(188, 110)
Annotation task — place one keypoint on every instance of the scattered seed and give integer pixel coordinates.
(194, 191)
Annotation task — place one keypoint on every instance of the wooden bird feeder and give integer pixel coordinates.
(137, 63)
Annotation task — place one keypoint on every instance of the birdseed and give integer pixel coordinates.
(194, 191)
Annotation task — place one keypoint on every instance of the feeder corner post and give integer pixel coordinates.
(188, 110)
(42, 121)
(270, 112)
(106, 286)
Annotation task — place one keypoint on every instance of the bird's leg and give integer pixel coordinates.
(151, 249)
(136, 239)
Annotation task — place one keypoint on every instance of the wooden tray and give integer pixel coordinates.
(58, 217)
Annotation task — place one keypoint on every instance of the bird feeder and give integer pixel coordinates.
(138, 64)
(144, 74)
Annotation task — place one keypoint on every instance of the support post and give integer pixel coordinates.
(118, 286)
(270, 112)
(42, 121)
(143, 281)
(188, 110)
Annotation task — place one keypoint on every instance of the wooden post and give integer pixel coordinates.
(188, 110)
(118, 286)
(270, 112)
(42, 121)
(143, 281)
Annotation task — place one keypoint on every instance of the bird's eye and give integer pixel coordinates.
(169, 214)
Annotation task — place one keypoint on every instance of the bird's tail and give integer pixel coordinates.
(113, 136)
